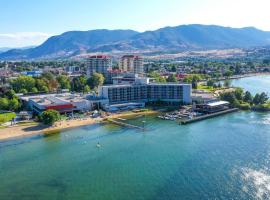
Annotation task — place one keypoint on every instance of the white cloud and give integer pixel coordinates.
(22, 39)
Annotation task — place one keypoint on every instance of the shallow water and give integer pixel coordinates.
(227, 157)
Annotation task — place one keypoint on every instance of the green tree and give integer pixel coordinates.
(172, 78)
(157, 77)
(78, 83)
(86, 89)
(49, 117)
(194, 83)
(23, 91)
(44, 89)
(210, 83)
(34, 90)
(227, 83)
(263, 98)
(10, 94)
(248, 97)
(228, 73)
(230, 97)
(63, 81)
(23, 82)
(40, 83)
(4, 103)
(13, 104)
(239, 94)
(95, 80)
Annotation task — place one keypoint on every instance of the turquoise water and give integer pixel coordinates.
(227, 157)
(256, 84)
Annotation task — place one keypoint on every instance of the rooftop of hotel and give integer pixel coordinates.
(131, 56)
(100, 56)
(47, 98)
(151, 84)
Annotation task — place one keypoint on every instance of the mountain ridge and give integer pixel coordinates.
(178, 38)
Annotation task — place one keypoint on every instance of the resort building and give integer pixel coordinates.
(64, 102)
(132, 64)
(99, 64)
(142, 91)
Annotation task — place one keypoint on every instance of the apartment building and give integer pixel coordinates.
(99, 64)
(132, 64)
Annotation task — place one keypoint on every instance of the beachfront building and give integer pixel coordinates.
(142, 91)
(64, 102)
(132, 64)
(212, 107)
(99, 64)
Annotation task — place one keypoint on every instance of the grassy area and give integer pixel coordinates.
(27, 123)
(205, 87)
(5, 117)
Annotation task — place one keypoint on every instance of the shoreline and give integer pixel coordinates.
(16, 132)
(245, 76)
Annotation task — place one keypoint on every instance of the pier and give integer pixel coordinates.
(125, 124)
(208, 116)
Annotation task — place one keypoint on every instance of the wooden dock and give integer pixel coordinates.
(119, 123)
(208, 116)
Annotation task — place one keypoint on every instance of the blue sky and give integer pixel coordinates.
(30, 22)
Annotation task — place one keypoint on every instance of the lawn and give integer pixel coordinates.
(5, 117)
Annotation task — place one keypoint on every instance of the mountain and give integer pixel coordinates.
(180, 38)
(69, 43)
(4, 49)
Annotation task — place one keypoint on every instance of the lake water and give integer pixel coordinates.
(255, 84)
(227, 157)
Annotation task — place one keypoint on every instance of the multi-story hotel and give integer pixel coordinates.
(99, 64)
(143, 92)
(131, 63)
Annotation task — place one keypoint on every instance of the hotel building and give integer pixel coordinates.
(144, 92)
(132, 64)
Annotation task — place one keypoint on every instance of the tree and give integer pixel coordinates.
(34, 90)
(256, 99)
(228, 73)
(86, 89)
(14, 104)
(227, 83)
(210, 83)
(78, 83)
(4, 103)
(44, 89)
(157, 77)
(172, 78)
(40, 83)
(263, 98)
(96, 80)
(248, 97)
(23, 82)
(239, 94)
(23, 91)
(260, 98)
(63, 81)
(10, 94)
(230, 97)
(194, 83)
(49, 117)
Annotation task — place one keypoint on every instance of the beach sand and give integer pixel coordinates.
(28, 130)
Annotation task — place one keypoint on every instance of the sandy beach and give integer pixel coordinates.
(17, 131)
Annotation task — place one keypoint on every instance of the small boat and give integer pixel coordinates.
(98, 145)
